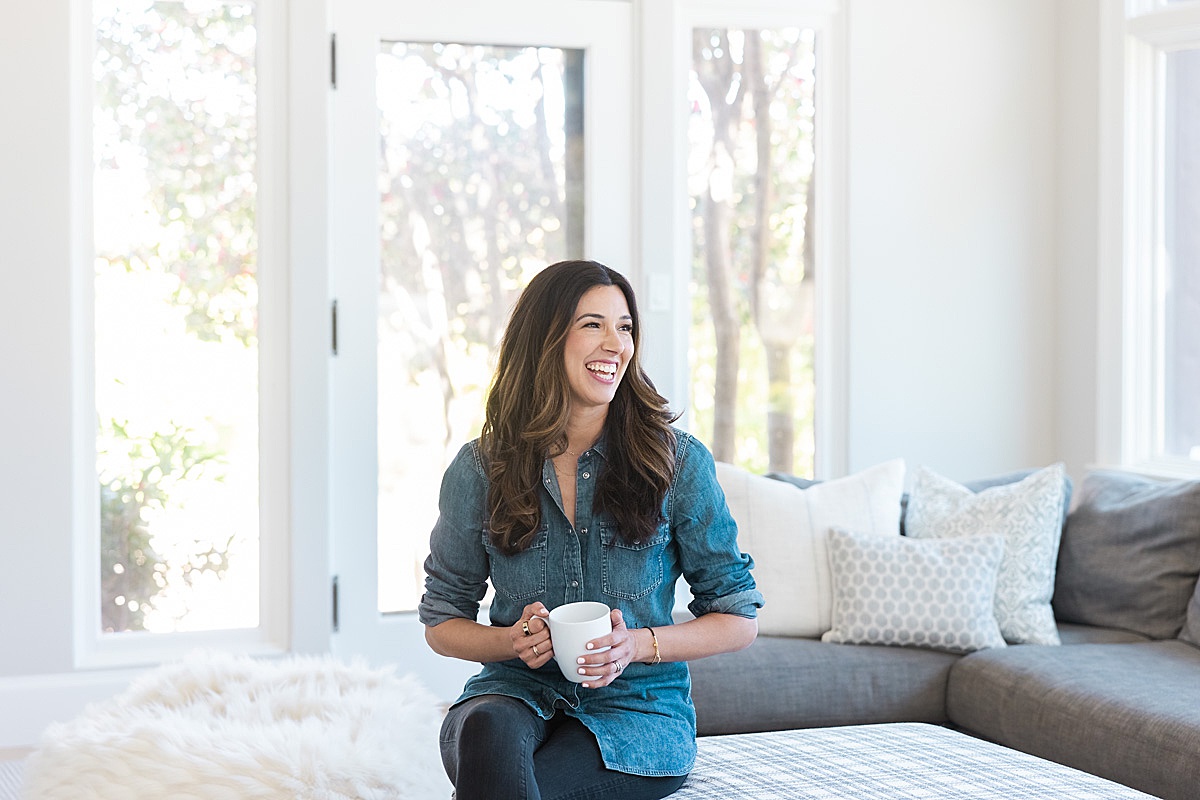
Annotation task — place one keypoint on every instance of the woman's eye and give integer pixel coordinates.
(627, 329)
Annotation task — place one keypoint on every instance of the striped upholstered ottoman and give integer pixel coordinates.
(898, 761)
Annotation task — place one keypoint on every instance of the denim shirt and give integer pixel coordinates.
(644, 720)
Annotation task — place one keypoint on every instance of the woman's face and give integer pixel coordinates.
(598, 347)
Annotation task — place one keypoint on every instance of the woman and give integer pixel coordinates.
(579, 489)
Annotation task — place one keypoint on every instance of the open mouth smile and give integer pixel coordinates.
(604, 370)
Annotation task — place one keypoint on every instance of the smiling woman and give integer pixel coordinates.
(598, 347)
(584, 492)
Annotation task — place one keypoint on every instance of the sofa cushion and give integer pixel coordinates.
(936, 593)
(783, 682)
(1130, 554)
(1191, 629)
(1126, 712)
(785, 529)
(1027, 514)
(1070, 633)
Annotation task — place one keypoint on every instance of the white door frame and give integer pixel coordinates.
(603, 29)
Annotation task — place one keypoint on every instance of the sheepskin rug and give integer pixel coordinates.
(229, 728)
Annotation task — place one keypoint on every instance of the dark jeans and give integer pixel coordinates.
(497, 748)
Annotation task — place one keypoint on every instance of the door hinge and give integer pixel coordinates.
(333, 327)
(333, 60)
(335, 603)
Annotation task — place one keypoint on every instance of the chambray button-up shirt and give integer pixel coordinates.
(644, 720)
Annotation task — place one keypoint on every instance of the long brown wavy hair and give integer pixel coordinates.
(528, 406)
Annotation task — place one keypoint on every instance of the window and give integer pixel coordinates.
(494, 135)
(1155, 272)
(1181, 255)
(180, 288)
(762, 137)
(752, 190)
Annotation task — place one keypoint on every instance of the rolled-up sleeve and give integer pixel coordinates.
(456, 569)
(706, 535)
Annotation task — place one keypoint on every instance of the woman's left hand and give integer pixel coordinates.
(601, 669)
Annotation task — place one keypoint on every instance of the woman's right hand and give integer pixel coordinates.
(531, 636)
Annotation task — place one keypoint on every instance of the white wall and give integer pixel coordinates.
(971, 272)
(35, 329)
(1077, 251)
(952, 259)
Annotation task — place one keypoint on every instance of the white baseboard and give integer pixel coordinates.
(28, 703)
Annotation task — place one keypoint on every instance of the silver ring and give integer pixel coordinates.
(525, 627)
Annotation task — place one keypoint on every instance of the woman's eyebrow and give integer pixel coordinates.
(594, 315)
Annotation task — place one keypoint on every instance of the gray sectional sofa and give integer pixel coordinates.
(1119, 698)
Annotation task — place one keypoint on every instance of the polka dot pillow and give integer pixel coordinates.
(935, 593)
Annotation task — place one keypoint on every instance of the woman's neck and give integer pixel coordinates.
(583, 430)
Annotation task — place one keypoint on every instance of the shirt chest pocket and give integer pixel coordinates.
(632, 570)
(521, 575)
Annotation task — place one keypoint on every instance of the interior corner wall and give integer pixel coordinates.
(36, 329)
(1077, 159)
(951, 234)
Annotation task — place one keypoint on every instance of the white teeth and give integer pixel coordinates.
(604, 369)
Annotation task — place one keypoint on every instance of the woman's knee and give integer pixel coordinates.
(487, 747)
(489, 724)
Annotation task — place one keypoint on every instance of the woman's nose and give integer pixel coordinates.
(613, 342)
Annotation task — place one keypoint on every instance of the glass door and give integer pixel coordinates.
(472, 148)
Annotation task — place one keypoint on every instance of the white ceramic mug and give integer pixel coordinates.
(572, 626)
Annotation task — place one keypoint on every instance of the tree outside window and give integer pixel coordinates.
(752, 181)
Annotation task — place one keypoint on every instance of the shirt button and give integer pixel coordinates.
(583, 531)
(587, 475)
(574, 584)
(547, 481)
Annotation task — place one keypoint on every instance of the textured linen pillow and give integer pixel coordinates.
(1130, 555)
(1028, 514)
(784, 528)
(936, 593)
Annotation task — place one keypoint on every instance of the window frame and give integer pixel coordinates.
(93, 648)
(1135, 37)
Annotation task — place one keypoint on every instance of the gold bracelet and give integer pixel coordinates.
(657, 655)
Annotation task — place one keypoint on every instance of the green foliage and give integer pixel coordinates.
(176, 96)
(133, 573)
(174, 117)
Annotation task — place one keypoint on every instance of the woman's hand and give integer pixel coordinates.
(601, 669)
(531, 636)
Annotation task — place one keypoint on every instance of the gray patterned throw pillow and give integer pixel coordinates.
(897, 591)
(1027, 514)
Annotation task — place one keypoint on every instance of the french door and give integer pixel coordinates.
(473, 143)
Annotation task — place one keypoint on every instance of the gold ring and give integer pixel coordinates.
(535, 651)
(525, 627)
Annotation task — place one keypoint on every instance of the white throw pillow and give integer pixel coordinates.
(936, 593)
(1028, 514)
(784, 529)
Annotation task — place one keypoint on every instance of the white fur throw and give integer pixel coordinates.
(232, 728)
